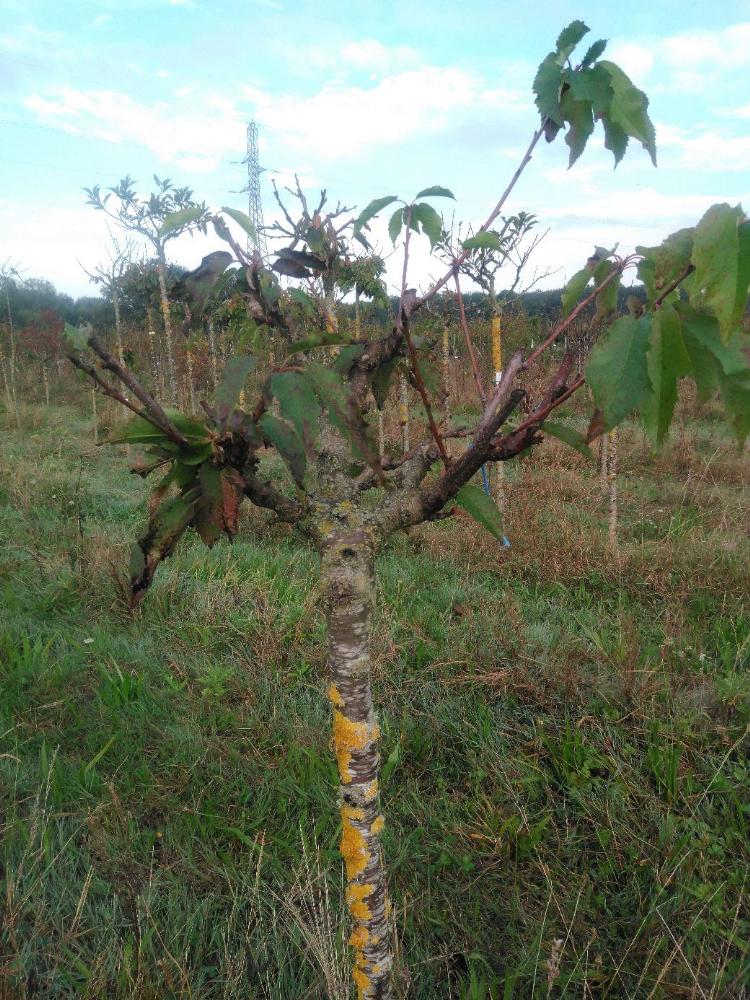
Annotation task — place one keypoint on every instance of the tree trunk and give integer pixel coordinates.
(347, 567)
(155, 366)
(118, 328)
(93, 416)
(190, 394)
(212, 354)
(403, 413)
(612, 479)
(12, 359)
(161, 270)
(45, 379)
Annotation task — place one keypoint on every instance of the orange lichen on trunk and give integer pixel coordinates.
(334, 696)
(349, 736)
(355, 896)
(353, 847)
(359, 938)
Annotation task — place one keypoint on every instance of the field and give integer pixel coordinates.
(565, 735)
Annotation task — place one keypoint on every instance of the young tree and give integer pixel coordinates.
(9, 277)
(110, 277)
(311, 409)
(166, 214)
(42, 340)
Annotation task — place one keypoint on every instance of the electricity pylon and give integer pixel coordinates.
(254, 206)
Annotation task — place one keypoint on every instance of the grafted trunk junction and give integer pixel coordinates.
(348, 576)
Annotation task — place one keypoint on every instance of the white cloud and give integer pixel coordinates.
(636, 60)
(338, 122)
(370, 54)
(741, 112)
(170, 133)
(711, 150)
(727, 48)
(688, 56)
(344, 121)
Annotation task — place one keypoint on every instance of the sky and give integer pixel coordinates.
(365, 99)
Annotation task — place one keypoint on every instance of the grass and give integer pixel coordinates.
(565, 741)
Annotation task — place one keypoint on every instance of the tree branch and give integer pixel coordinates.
(563, 326)
(158, 416)
(674, 284)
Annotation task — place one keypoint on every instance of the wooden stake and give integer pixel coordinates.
(497, 364)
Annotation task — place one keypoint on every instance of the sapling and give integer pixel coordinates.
(313, 409)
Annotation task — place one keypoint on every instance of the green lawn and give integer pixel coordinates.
(565, 735)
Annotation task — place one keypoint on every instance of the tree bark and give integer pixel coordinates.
(161, 270)
(348, 576)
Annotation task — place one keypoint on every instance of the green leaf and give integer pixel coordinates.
(482, 508)
(606, 300)
(615, 138)
(487, 240)
(547, 86)
(743, 269)
(664, 263)
(193, 428)
(207, 520)
(580, 118)
(343, 411)
(195, 453)
(270, 289)
(381, 382)
(574, 290)
(396, 224)
(720, 266)
(233, 380)
(303, 300)
(431, 222)
(617, 369)
(628, 110)
(372, 210)
(568, 435)
(704, 328)
(298, 403)
(322, 338)
(347, 357)
(668, 361)
(592, 85)
(568, 39)
(283, 436)
(243, 220)
(164, 531)
(138, 431)
(704, 366)
(436, 192)
(178, 220)
(735, 394)
(593, 53)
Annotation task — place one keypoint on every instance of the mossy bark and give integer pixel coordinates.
(347, 565)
